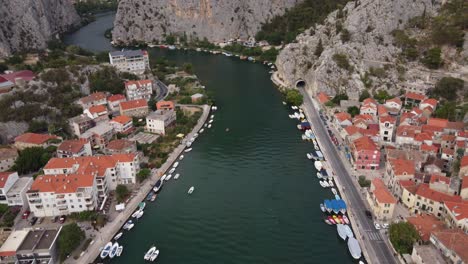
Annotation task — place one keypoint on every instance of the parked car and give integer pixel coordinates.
(26, 214)
(385, 225)
(33, 221)
(368, 214)
(40, 220)
(55, 219)
(62, 219)
(377, 226)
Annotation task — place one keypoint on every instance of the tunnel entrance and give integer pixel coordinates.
(300, 84)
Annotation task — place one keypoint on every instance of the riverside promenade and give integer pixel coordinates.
(111, 228)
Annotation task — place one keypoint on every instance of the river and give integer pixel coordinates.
(256, 197)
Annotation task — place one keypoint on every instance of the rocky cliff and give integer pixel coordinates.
(217, 20)
(29, 24)
(354, 40)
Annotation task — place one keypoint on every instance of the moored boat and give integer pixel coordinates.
(334, 191)
(209, 126)
(106, 250)
(354, 248)
(175, 164)
(309, 156)
(322, 207)
(113, 250)
(337, 220)
(154, 255)
(168, 177)
(142, 205)
(119, 251)
(119, 235)
(128, 225)
(163, 177)
(331, 220)
(328, 222)
(136, 213)
(158, 185)
(322, 184)
(325, 184)
(181, 157)
(319, 175)
(341, 231)
(190, 191)
(318, 165)
(188, 150)
(176, 176)
(171, 171)
(330, 182)
(149, 253)
(345, 219)
(153, 197)
(140, 214)
(349, 232)
(337, 197)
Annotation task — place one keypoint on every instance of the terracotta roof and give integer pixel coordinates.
(407, 131)
(8, 153)
(425, 224)
(459, 209)
(437, 122)
(456, 125)
(464, 184)
(343, 116)
(423, 136)
(425, 191)
(323, 97)
(447, 137)
(409, 185)
(415, 96)
(351, 130)
(369, 101)
(464, 161)
(62, 183)
(426, 128)
(116, 97)
(73, 146)
(382, 111)
(381, 193)
(429, 148)
(164, 104)
(455, 240)
(138, 83)
(93, 97)
(122, 119)
(4, 177)
(462, 134)
(416, 111)
(365, 143)
(430, 101)
(448, 151)
(439, 178)
(133, 104)
(402, 166)
(371, 131)
(366, 117)
(119, 144)
(389, 119)
(24, 75)
(33, 138)
(97, 109)
(394, 100)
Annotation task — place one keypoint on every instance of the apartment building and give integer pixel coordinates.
(80, 124)
(157, 121)
(113, 103)
(74, 148)
(381, 200)
(30, 140)
(7, 158)
(99, 135)
(134, 61)
(140, 89)
(135, 108)
(93, 99)
(366, 154)
(122, 124)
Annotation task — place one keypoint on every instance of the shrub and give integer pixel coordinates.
(69, 239)
(363, 181)
(433, 59)
(447, 88)
(294, 97)
(402, 236)
(122, 192)
(342, 61)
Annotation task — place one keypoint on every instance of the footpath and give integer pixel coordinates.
(111, 228)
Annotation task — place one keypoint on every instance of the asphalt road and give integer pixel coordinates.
(162, 93)
(378, 250)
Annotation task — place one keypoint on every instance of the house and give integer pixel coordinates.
(98, 98)
(463, 166)
(113, 103)
(157, 121)
(351, 133)
(366, 154)
(30, 140)
(134, 61)
(97, 113)
(323, 98)
(381, 200)
(63, 194)
(80, 124)
(423, 254)
(121, 146)
(99, 135)
(443, 184)
(387, 125)
(447, 155)
(430, 102)
(422, 199)
(165, 105)
(447, 141)
(433, 165)
(74, 148)
(122, 124)
(397, 170)
(7, 158)
(382, 111)
(31, 246)
(369, 107)
(9, 80)
(140, 89)
(197, 98)
(457, 214)
(413, 99)
(425, 224)
(405, 135)
(454, 127)
(7, 179)
(135, 108)
(393, 105)
(342, 119)
(109, 170)
(16, 195)
(363, 120)
(452, 244)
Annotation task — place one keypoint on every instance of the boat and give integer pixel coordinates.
(190, 191)
(349, 232)
(341, 219)
(334, 191)
(175, 164)
(325, 184)
(318, 165)
(153, 197)
(171, 47)
(322, 184)
(136, 213)
(293, 107)
(113, 250)
(154, 255)
(119, 251)
(171, 171)
(328, 222)
(150, 194)
(176, 176)
(319, 175)
(209, 126)
(157, 186)
(346, 219)
(341, 231)
(188, 150)
(163, 177)
(330, 182)
(322, 207)
(337, 220)
(284, 103)
(181, 157)
(128, 225)
(188, 144)
(201, 130)
(106, 250)
(149, 253)
(212, 116)
(331, 220)
(337, 197)
(140, 214)
(211, 121)
(354, 248)
(142, 205)
(303, 137)
(168, 177)
(119, 235)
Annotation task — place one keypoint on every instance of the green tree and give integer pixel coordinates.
(3, 67)
(338, 97)
(122, 192)
(170, 39)
(69, 239)
(143, 174)
(433, 59)
(294, 97)
(319, 49)
(448, 87)
(364, 95)
(381, 96)
(345, 35)
(31, 160)
(353, 111)
(188, 68)
(363, 181)
(403, 235)
(342, 61)
(37, 126)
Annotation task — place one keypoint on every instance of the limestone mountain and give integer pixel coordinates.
(216, 20)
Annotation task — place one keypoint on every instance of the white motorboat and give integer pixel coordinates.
(189, 144)
(322, 183)
(309, 156)
(171, 47)
(188, 150)
(119, 251)
(119, 235)
(291, 116)
(212, 116)
(176, 176)
(163, 177)
(154, 255)
(149, 253)
(330, 182)
(136, 213)
(209, 126)
(175, 164)
(304, 137)
(106, 250)
(195, 136)
(293, 107)
(140, 214)
(349, 232)
(129, 225)
(214, 108)
(172, 170)
(284, 103)
(201, 130)
(318, 165)
(205, 125)
(190, 191)
(345, 219)
(211, 121)
(168, 177)
(325, 183)
(113, 250)
(334, 191)
(322, 207)
(158, 185)
(341, 231)
(181, 157)
(354, 248)
(319, 175)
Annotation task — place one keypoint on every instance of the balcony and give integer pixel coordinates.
(35, 201)
(62, 207)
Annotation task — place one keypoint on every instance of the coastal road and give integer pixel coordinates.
(162, 90)
(378, 251)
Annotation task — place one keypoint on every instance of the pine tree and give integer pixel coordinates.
(319, 49)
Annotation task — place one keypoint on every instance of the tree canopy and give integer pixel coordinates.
(69, 239)
(447, 88)
(403, 235)
(143, 174)
(31, 160)
(294, 97)
(122, 192)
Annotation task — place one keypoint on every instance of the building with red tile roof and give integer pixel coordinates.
(369, 106)
(397, 170)
(121, 146)
(381, 200)
(366, 154)
(393, 105)
(452, 243)
(438, 122)
(97, 113)
(8, 157)
(457, 214)
(165, 105)
(98, 98)
(139, 89)
(425, 224)
(343, 119)
(122, 124)
(135, 108)
(430, 102)
(323, 98)
(405, 134)
(414, 99)
(29, 140)
(387, 125)
(382, 111)
(463, 166)
(7, 179)
(74, 148)
(113, 102)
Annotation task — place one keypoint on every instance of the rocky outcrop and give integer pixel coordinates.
(29, 24)
(370, 44)
(217, 20)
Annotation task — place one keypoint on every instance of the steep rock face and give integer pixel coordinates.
(217, 20)
(29, 24)
(370, 23)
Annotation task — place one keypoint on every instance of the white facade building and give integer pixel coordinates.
(157, 121)
(7, 179)
(141, 89)
(134, 61)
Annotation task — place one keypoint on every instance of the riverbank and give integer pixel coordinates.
(110, 229)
